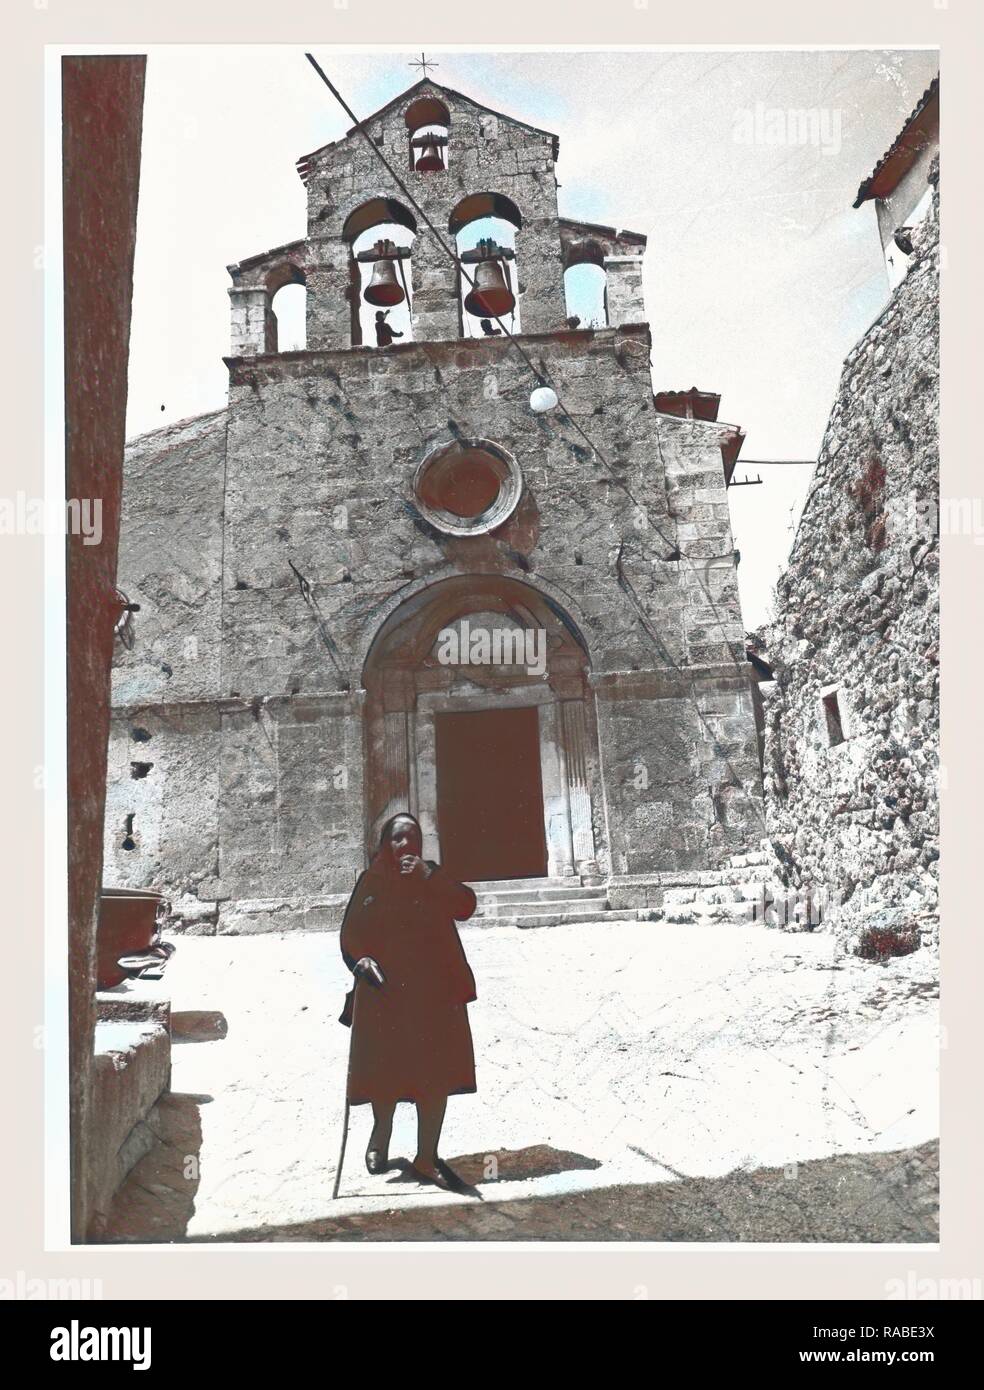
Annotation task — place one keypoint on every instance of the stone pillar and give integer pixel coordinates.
(387, 787)
(623, 290)
(436, 314)
(423, 775)
(394, 791)
(254, 324)
(574, 733)
(556, 807)
(330, 309)
(540, 271)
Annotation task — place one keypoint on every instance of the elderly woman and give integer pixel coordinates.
(410, 1035)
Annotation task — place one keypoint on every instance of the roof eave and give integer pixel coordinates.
(911, 140)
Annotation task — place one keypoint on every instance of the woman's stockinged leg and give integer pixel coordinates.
(430, 1118)
(382, 1125)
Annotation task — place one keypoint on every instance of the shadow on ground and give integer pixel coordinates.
(518, 1165)
(851, 1199)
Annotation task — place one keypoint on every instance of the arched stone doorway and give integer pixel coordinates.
(479, 718)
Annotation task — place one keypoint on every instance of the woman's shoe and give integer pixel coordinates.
(377, 1161)
(428, 1172)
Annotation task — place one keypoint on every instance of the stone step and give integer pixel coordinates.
(754, 859)
(700, 914)
(724, 893)
(759, 874)
(503, 885)
(543, 895)
(712, 878)
(559, 916)
(761, 891)
(719, 878)
(676, 896)
(598, 907)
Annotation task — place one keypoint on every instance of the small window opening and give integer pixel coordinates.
(833, 718)
(139, 770)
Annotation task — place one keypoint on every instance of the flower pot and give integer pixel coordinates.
(127, 924)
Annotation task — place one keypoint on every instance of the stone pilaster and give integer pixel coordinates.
(331, 310)
(623, 290)
(575, 742)
(436, 314)
(254, 324)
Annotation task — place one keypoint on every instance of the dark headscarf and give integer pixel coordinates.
(381, 858)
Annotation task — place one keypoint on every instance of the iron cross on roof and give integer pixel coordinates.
(423, 63)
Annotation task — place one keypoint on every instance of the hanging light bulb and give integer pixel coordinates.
(543, 398)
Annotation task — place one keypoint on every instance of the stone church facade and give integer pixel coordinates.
(300, 559)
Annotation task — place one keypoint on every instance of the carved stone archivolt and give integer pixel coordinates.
(408, 685)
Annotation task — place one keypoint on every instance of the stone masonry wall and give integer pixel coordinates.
(255, 743)
(267, 545)
(322, 450)
(171, 562)
(486, 154)
(857, 610)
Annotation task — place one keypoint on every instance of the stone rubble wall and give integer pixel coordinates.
(171, 562)
(857, 609)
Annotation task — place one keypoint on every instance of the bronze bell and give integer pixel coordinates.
(491, 297)
(430, 161)
(384, 290)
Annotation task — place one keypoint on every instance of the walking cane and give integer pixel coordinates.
(380, 979)
(345, 1120)
(341, 1152)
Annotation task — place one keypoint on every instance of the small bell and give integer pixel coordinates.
(384, 289)
(490, 297)
(430, 161)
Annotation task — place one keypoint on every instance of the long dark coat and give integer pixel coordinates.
(410, 1037)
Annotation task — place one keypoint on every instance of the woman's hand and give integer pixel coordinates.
(367, 969)
(412, 866)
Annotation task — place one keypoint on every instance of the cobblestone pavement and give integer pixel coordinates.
(636, 1081)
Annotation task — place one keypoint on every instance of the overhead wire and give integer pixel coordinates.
(543, 379)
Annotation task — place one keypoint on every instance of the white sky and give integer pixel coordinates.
(759, 278)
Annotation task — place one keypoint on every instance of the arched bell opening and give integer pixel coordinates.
(484, 226)
(380, 235)
(428, 132)
(479, 720)
(585, 290)
(289, 306)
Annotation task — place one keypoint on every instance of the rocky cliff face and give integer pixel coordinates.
(852, 721)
